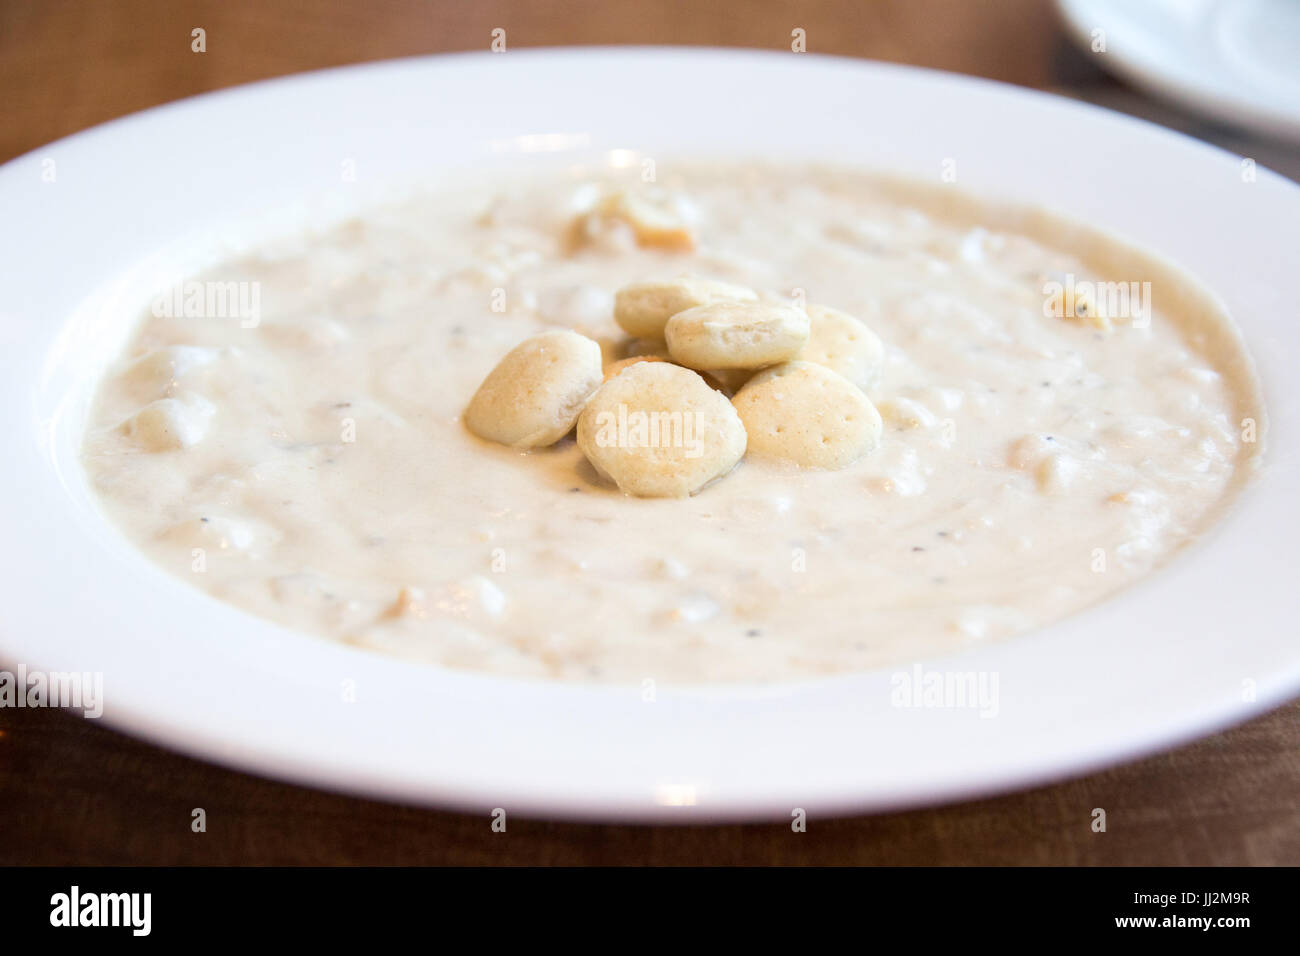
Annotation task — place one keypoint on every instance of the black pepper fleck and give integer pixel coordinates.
(753, 632)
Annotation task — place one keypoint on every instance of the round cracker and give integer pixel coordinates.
(643, 308)
(659, 431)
(844, 344)
(736, 335)
(535, 394)
(805, 413)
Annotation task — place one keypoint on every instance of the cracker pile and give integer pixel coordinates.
(661, 424)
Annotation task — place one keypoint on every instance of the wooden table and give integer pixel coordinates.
(73, 792)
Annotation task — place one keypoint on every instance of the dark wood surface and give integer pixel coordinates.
(73, 792)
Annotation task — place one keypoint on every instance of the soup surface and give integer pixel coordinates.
(285, 432)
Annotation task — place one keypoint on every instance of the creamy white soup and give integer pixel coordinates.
(286, 431)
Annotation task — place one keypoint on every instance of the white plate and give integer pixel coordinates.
(1163, 662)
(1234, 60)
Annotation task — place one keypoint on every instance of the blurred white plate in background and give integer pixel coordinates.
(1237, 61)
